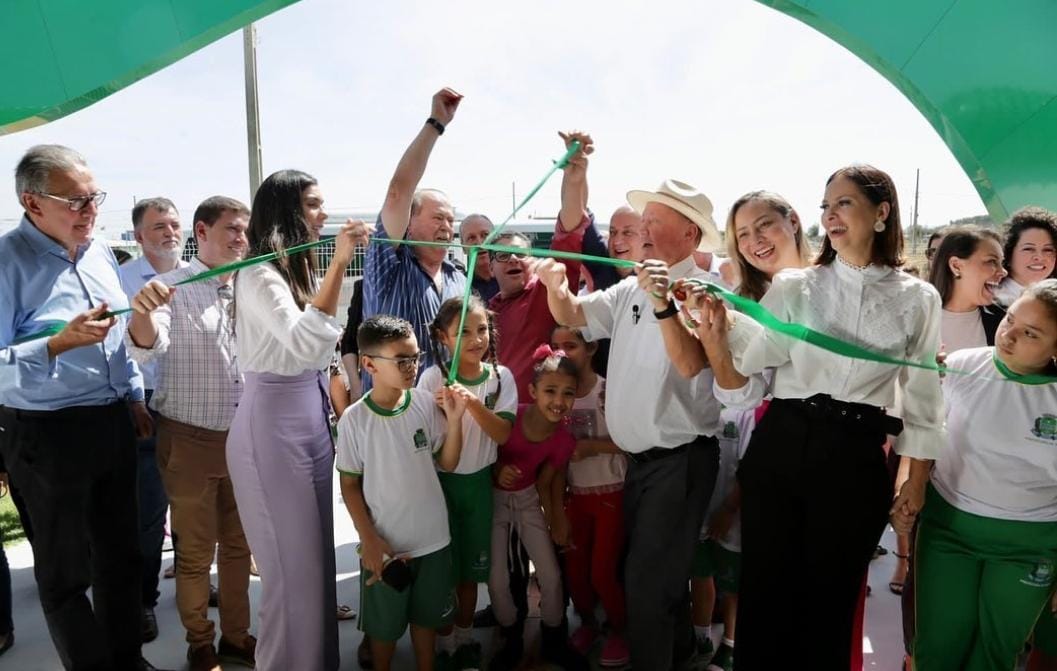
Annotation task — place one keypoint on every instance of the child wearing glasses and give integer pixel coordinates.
(491, 407)
(389, 445)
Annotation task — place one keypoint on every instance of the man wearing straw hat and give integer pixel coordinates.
(660, 410)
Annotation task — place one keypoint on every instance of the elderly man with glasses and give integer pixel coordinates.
(71, 406)
(190, 335)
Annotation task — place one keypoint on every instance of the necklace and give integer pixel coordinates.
(852, 265)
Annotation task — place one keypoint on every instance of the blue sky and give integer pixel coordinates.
(728, 95)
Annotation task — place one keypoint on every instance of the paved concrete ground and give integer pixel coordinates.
(33, 650)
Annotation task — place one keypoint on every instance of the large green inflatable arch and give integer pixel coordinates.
(983, 73)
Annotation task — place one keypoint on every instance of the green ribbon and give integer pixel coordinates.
(806, 334)
(264, 258)
(843, 348)
(574, 147)
(558, 254)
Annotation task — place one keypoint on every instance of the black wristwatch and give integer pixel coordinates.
(667, 312)
(436, 124)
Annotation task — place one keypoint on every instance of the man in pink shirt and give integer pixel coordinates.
(523, 320)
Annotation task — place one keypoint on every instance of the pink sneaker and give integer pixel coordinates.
(614, 652)
(582, 639)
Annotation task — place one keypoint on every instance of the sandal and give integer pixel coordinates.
(896, 586)
(346, 613)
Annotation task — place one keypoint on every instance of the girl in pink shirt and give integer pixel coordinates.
(537, 451)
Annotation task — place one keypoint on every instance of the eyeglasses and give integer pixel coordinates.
(406, 364)
(503, 257)
(78, 203)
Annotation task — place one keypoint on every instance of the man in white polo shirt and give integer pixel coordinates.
(660, 410)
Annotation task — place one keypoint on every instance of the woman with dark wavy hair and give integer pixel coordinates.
(279, 449)
(1030, 251)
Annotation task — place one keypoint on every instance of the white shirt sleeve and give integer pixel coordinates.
(746, 397)
(506, 404)
(919, 389)
(306, 336)
(347, 458)
(431, 380)
(162, 318)
(598, 308)
(438, 426)
(755, 348)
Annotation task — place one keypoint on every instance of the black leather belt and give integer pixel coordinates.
(656, 453)
(824, 406)
(73, 413)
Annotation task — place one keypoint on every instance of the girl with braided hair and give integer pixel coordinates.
(491, 408)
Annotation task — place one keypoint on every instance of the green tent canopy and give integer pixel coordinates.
(983, 73)
(58, 56)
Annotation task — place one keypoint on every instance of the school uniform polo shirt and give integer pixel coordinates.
(1000, 460)
(392, 451)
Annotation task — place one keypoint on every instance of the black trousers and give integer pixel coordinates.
(815, 498)
(664, 507)
(76, 473)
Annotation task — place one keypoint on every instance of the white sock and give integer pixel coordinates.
(728, 642)
(446, 643)
(463, 635)
(703, 632)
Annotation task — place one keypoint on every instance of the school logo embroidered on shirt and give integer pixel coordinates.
(1041, 575)
(420, 440)
(730, 430)
(1045, 427)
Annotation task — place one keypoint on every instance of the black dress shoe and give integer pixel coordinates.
(8, 642)
(150, 625)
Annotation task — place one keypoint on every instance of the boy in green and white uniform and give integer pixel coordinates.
(987, 540)
(387, 444)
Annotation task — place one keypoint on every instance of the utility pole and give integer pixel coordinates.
(253, 115)
(917, 232)
(513, 196)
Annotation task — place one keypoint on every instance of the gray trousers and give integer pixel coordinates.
(664, 507)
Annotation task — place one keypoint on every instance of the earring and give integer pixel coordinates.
(879, 226)
(957, 276)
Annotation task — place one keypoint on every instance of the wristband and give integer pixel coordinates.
(436, 124)
(667, 312)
